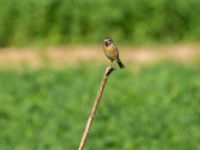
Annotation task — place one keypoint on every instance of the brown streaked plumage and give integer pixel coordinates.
(112, 52)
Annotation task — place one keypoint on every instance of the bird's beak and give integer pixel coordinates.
(105, 40)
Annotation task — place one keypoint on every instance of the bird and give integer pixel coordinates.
(111, 52)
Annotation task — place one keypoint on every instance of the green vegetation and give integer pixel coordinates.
(155, 107)
(68, 21)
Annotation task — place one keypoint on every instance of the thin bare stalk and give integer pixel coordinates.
(94, 108)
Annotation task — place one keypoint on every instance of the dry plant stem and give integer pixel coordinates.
(94, 108)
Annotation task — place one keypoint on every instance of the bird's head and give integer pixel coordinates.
(108, 41)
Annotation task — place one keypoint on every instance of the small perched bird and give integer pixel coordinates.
(111, 52)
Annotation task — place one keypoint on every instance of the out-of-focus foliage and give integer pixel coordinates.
(154, 108)
(87, 21)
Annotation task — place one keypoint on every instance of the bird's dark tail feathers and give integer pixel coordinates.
(121, 65)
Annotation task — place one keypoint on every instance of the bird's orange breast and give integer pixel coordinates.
(110, 52)
(110, 49)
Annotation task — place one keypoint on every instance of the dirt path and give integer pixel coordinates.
(67, 55)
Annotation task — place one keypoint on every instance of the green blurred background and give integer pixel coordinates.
(86, 21)
(145, 107)
(154, 108)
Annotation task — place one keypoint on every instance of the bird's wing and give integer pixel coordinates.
(116, 49)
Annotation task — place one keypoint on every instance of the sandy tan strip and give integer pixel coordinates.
(72, 54)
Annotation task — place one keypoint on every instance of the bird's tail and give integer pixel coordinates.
(121, 65)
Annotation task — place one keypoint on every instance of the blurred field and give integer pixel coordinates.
(155, 107)
(65, 21)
